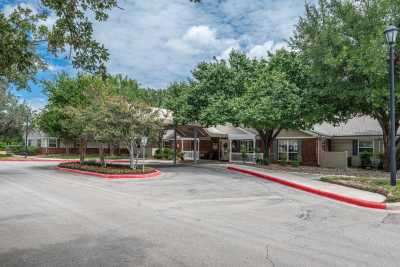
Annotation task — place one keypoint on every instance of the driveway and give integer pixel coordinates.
(188, 216)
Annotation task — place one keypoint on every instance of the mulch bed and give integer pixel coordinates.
(327, 171)
(108, 169)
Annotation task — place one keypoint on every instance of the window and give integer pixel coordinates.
(293, 150)
(288, 150)
(365, 146)
(29, 142)
(239, 146)
(52, 142)
(39, 142)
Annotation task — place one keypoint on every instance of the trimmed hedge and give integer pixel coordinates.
(92, 166)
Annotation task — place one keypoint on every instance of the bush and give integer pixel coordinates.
(283, 162)
(20, 150)
(295, 163)
(365, 158)
(3, 146)
(167, 153)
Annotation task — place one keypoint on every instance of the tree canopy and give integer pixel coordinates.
(343, 43)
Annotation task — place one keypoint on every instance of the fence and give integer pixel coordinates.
(333, 159)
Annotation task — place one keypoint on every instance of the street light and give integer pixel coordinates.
(391, 34)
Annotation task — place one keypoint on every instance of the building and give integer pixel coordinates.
(324, 145)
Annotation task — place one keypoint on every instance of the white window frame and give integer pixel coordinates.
(287, 142)
(52, 138)
(366, 147)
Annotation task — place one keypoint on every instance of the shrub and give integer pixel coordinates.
(166, 153)
(365, 158)
(20, 150)
(180, 155)
(295, 163)
(283, 162)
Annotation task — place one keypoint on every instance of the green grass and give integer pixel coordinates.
(108, 169)
(76, 156)
(376, 185)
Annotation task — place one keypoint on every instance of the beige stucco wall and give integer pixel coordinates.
(333, 159)
(347, 145)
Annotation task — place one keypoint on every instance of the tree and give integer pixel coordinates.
(65, 114)
(131, 122)
(215, 85)
(268, 95)
(271, 103)
(343, 42)
(24, 30)
(12, 116)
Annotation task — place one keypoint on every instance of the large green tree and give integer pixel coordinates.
(24, 30)
(268, 95)
(13, 115)
(71, 34)
(343, 42)
(64, 115)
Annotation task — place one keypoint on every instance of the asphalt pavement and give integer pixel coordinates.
(188, 216)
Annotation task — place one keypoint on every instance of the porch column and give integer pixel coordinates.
(254, 149)
(195, 144)
(174, 143)
(181, 145)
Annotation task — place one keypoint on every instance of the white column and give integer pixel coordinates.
(254, 149)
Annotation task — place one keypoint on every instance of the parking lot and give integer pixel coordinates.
(189, 216)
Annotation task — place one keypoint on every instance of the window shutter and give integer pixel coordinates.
(355, 147)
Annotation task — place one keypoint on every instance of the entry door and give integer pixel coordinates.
(224, 149)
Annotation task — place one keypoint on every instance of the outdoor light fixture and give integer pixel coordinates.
(391, 34)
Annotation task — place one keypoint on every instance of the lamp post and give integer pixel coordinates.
(391, 34)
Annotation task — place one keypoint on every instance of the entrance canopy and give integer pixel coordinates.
(232, 133)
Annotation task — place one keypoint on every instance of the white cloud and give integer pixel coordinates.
(198, 39)
(261, 51)
(49, 22)
(225, 54)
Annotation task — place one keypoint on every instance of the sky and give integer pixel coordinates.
(157, 42)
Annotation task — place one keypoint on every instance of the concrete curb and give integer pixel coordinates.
(113, 176)
(338, 197)
(393, 206)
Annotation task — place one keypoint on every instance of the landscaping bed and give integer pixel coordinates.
(358, 172)
(376, 185)
(108, 169)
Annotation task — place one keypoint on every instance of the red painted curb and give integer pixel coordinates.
(39, 160)
(113, 176)
(342, 198)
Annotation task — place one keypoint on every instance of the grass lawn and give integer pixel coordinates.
(76, 156)
(376, 185)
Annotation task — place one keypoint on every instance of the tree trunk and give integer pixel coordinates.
(82, 149)
(67, 148)
(101, 154)
(131, 155)
(267, 137)
(111, 148)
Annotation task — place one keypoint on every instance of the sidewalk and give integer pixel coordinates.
(310, 181)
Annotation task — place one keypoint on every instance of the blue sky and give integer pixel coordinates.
(160, 41)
